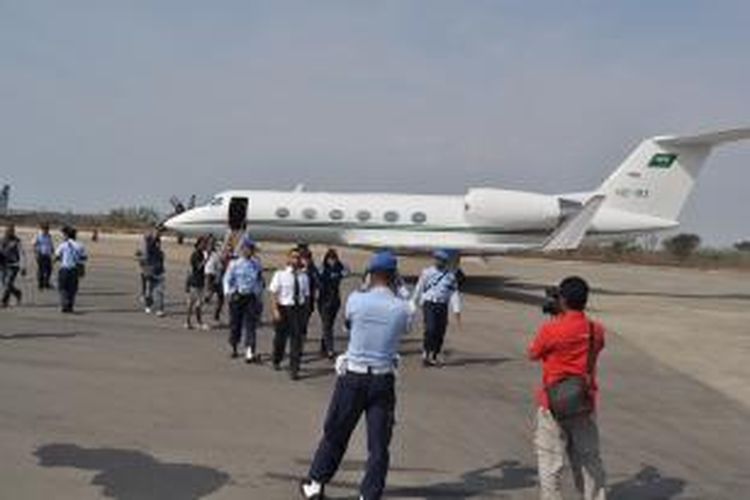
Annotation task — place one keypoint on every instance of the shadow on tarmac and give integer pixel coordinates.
(32, 336)
(508, 288)
(647, 484)
(479, 483)
(134, 475)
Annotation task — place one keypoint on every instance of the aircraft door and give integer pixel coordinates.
(237, 213)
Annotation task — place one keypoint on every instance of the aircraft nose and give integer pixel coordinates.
(175, 223)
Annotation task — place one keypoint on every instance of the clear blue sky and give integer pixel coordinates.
(122, 103)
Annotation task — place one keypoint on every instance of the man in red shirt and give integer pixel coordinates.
(562, 345)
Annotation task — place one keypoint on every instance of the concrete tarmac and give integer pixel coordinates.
(114, 403)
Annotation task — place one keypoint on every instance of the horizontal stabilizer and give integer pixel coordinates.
(707, 139)
(570, 233)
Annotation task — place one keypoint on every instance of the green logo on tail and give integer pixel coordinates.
(662, 160)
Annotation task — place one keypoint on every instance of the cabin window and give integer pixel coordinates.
(309, 213)
(390, 216)
(364, 215)
(282, 212)
(419, 217)
(217, 201)
(336, 214)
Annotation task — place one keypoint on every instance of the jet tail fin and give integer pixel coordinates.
(658, 176)
(570, 233)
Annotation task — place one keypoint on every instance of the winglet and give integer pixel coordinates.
(570, 233)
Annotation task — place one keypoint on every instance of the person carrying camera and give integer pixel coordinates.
(377, 320)
(568, 346)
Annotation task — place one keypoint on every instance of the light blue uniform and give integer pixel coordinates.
(377, 320)
(71, 253)
(436, 285)
(43, 245)
(243, 276)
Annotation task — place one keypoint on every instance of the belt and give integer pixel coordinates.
(366, 370)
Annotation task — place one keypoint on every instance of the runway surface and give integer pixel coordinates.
(115, 403)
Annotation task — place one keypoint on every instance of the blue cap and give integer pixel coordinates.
(383, 261)
(442, 254)
(247, 242)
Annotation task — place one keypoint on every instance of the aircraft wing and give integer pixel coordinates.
(418, 243)
(570, 233)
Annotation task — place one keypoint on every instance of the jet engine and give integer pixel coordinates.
(512, 210)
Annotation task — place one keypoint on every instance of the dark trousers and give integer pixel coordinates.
(67, 284)
(354, 394)
(215, 288)
(435, 324)
(328, 312)
(44, 271)
(9, 285)
(309, 308)
(243, 317)
(289, 327)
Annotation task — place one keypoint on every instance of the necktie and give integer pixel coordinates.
(297, 300)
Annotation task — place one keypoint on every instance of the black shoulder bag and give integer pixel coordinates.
(571, 396)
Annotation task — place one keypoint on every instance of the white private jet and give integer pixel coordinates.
(645, 194)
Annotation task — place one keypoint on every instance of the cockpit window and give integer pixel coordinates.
(215, 202)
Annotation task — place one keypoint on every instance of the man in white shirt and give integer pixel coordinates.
(290, 292)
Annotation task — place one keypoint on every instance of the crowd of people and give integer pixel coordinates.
(376, 315)
(70, 256)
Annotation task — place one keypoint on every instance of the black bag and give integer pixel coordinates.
(571, 396)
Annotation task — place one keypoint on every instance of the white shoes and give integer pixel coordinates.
(160, 314)
(147, 310)
(311, 489)
(249, 355)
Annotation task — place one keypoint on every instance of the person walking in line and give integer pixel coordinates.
(330, 275)
(313, 279)
(195, 285)
(378, 319)
(436, 286)
(290, 292)
(214, 271)
(13, 261)
(154, 274)
(44, 251)
(141, 255)
(568, 347)
(72, 257)
(241, 284)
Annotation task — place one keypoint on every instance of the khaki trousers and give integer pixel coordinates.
(578, 439)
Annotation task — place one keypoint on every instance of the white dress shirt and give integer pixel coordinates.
(282, 286)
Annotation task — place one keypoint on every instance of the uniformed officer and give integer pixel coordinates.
(290, 292)
(242, 288)
(44, 250)
(72, 257)
(330, 275)
(377, 319)
(435, 289)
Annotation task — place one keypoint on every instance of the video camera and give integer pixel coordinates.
(551, 305)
